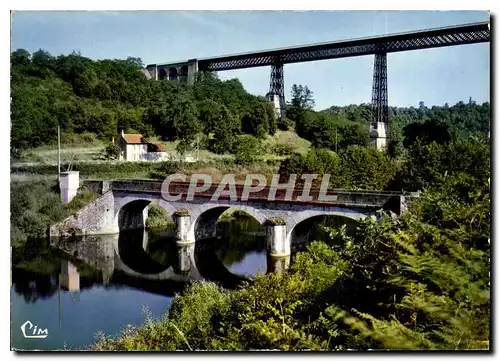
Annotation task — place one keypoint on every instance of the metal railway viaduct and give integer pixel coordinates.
(379, 46)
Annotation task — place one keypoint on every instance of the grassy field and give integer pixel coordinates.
(41, 163)
(85, 156)
(289, 139)
(146, 170)
(87, 148)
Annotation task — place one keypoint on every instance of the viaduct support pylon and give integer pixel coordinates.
(276, 93)
(380, 107)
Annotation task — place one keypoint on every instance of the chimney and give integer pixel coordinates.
(122, 132)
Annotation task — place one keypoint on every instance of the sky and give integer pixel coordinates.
(434, 76)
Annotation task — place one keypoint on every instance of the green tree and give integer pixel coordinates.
(112, 151)
(365, 168)
(353, 134)
(255, 121)
(301, 101)
(210, 114)
(20, 57)
(43, 58)
(272, 119)
(246, 149)
(135, 61)
(316, 161)
(226, 129)
(322, 131)
(185, 123)
(427, 132)
(427, 165)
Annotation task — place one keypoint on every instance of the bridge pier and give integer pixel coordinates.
(380, 107)
(277, 243)
(182, 222)
(192, 71)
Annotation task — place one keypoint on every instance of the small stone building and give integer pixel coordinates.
(134, 147)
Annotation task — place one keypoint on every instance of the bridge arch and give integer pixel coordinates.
(162, 73)
(205, 216)
(184, 70)
(131, 212)
(300, 217)
(172, 73)
(133, 215)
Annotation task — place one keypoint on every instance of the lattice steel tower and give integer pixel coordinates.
(277, 89)
(380, 107)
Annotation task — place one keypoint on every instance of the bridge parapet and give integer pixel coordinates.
(340, 197)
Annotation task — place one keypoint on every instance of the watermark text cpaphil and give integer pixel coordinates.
(180, 186)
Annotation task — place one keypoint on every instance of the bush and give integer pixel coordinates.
(316, 161)
(189, 325)
(112, 151)
(283, 149)
(246, 149)
(365, 168)
(35, 207)
(285, 124)
(320, 266)
(197, 311)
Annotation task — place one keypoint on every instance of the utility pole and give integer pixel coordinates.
(197, 147)
(58, 152)
(335, 140)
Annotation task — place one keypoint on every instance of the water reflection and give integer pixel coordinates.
(277, 264)
(85, 284)
(69, 278)
(132, 258)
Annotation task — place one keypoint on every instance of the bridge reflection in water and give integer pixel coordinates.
(102, 283)
(154, 262)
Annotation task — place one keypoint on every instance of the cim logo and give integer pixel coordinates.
(31, 331)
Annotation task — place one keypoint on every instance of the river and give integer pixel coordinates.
(76, 288)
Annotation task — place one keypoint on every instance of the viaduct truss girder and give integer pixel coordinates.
(379, 46)
(414, 40)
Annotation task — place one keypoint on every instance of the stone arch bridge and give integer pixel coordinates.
(123, 205)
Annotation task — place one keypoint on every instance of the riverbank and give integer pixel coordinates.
(36, 204)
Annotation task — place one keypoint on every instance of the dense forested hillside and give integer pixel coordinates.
(100, 97)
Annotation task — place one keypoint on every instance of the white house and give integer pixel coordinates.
(132, 146)
(135, 148)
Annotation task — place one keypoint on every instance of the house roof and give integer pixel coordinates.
(157, 147)
(134, 138)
